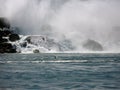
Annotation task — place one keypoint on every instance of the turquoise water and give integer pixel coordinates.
(60, 71)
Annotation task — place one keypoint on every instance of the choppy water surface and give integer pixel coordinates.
(60, 71)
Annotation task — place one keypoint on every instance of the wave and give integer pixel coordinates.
(57, 61)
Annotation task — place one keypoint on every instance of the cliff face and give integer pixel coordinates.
(6, 36)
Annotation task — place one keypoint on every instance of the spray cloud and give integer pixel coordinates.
(75, 20)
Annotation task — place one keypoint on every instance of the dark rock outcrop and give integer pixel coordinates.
(24, 44)
(14, 37)
(92, 45)
(36, 51)
(7, 48)
(6, 33)
(2, 40)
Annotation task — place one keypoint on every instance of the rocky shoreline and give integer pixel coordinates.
(12, 42)
(7, 36)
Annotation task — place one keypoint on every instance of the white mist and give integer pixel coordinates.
(74, 20)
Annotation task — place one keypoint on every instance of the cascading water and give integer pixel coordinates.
(66, 25)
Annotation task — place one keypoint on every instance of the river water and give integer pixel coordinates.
(60, 71)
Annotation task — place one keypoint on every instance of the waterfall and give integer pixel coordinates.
(67, 25)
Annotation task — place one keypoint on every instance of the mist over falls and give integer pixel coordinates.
(71, 23)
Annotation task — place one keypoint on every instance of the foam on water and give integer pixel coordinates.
(50, 61)
(36, 44)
